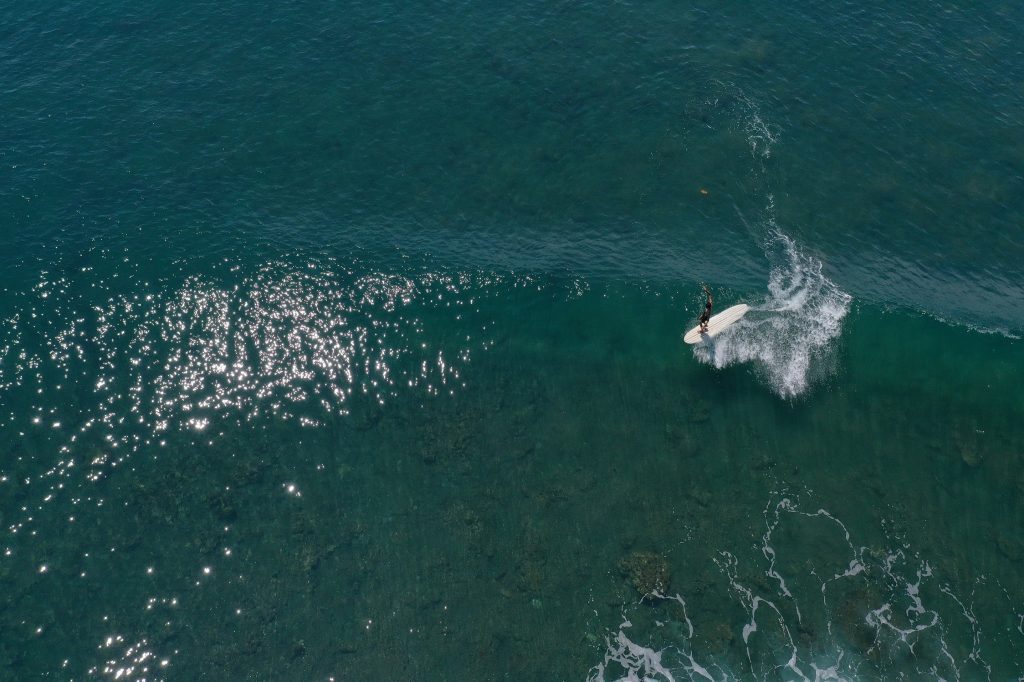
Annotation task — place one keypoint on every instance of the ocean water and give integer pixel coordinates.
(342, 341)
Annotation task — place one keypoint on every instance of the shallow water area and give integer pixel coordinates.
(497, 515)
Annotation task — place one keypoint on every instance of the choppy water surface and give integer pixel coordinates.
(344, 342)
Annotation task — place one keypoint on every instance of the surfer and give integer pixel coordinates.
(706, 315)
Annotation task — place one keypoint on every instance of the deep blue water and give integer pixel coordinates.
(344, 341)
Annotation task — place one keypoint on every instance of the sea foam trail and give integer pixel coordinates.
(802, 314)
(795, 324)
(850, 612)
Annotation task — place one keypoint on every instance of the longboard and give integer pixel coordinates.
(717, 324)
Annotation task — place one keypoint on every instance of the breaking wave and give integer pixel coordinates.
(794, 325)
(802, 313)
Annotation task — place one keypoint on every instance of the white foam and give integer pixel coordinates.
(796, 323)
(803, 311)
(915, 633)
(636, 662)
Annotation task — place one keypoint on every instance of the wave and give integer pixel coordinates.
(991, 330)
(802, 313)
(793, 326)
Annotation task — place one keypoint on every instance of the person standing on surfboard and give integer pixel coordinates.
(706, 315)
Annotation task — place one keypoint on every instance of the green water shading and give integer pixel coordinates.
(345, 341)
(483, 533)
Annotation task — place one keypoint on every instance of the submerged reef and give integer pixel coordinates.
(647, 572)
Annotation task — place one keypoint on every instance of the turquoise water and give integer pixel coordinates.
(343, 341)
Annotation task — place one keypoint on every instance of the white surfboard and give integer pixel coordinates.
(717, 324)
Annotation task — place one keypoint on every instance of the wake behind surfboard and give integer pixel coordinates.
(717, 324)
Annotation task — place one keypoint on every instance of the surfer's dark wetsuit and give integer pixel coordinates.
(706, 315)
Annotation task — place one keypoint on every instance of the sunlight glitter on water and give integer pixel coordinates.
(293, 342)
